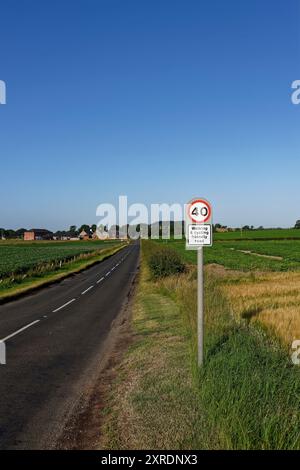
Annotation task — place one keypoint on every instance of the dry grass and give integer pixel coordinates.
(272, 299)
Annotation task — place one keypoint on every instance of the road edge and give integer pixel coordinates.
(83, 429)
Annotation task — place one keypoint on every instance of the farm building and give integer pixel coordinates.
(38, 234)
(83, 235)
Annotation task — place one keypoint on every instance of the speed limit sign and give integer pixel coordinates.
(199, 211)
(198, 229)
(198, 234)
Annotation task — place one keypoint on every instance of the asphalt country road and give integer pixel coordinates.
(55, 340)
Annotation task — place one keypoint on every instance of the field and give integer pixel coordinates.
(25, 266)
(267, 234)
(247, 394)
(247, 255)
(20, 257)
(260, 279)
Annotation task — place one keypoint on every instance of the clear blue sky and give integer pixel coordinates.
(157, 99)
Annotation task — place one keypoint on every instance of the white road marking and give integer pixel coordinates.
(20, 330)
(62, 306)
(59, 308)
(86, 290)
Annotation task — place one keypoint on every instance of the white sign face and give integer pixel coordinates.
(199, 235)
(198, 220)
(199, 211)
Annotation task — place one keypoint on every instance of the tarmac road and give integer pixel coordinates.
(55, 340)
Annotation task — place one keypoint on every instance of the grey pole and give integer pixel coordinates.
(2, 352)
(200, 307)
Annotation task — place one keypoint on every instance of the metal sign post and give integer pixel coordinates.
(200, 313)
(198, 233)
(2, 352)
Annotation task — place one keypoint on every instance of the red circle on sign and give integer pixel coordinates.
(208, 212)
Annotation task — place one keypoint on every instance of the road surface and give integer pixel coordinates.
(55, 340)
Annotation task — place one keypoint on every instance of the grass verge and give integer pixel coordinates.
(153, 403)
(31, 283)
(245, 397)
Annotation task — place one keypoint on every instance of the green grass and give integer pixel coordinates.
(227, 254)
(20, 257)
(248, 386)
(154, 403)
(245, 397)
(287, 249)
(268, 234)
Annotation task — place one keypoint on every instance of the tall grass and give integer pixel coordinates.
(248, 386)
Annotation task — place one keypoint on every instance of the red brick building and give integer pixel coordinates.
(38, 234)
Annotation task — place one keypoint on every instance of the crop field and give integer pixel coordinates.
(260, 279)
(267, 234)
(247, 255)
(20, 257)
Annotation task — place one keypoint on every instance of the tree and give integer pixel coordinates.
(20, 232)
(85, 228)
(297, 224)
(73, 231)
(9, 233)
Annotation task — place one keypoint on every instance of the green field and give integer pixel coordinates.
(20, 257)
(267, 234)
(230, 254)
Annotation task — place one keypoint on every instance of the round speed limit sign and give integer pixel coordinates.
(199, 211)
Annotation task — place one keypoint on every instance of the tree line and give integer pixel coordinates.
(75, 231)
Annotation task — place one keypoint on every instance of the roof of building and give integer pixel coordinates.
(39, 230)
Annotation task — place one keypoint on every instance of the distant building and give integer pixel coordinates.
(38, 234)
(29, 236)
(83, 235)
(222, 229)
